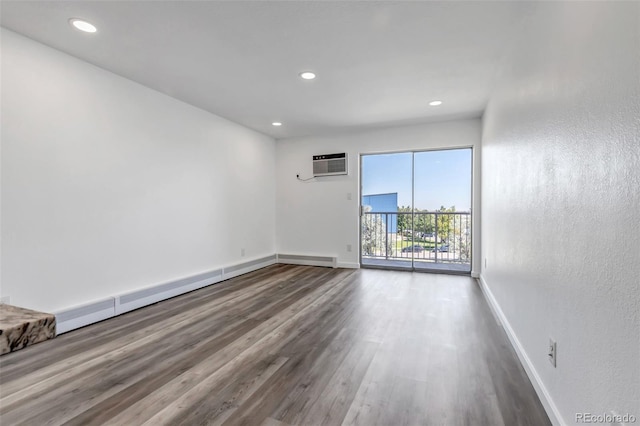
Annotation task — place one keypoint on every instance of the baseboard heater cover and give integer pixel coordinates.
(297, 259)
(82, 315)
(90, 313)
(139, 298)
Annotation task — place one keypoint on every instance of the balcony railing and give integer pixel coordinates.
(425, 237)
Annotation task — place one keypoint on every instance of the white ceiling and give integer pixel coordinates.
(378, 63)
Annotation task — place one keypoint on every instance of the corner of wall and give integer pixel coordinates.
(541, 390)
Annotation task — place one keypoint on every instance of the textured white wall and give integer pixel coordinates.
(108, 186)
(315, 217)
(561, 201)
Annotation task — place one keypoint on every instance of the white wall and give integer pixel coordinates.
(108, 186)
(315, 217)
(561, 202)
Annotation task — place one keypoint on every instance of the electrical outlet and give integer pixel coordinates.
(242, 252)
(348, 247)
(551, 352)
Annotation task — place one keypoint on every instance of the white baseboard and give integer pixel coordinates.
(79, 316)
(348, 265)
(547, 402)
(246, 267)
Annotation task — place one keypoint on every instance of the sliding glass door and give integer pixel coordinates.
(416, 210)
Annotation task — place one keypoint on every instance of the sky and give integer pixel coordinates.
(442, 178)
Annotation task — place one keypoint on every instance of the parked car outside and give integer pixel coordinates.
(415, 248)
(443, 248)
(424, 234)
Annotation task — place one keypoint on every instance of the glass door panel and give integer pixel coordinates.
(442, 213)
(385, 220)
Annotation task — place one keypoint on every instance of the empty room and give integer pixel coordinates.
(280, 213)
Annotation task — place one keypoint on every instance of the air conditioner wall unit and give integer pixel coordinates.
(330, 165)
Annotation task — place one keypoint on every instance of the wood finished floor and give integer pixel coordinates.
(285, 345)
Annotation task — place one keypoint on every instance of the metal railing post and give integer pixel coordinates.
(435, 247)
(386, 236)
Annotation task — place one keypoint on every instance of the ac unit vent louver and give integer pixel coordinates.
(330, 164)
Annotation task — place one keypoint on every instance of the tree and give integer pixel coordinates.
(404, 220)
(423, 222)
(461, 239)
(374, 232)
(445, 221)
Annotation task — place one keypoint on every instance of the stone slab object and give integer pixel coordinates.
(20, 327)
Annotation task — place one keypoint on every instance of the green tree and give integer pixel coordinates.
(445, 222)
(423, 221)
(404, 220)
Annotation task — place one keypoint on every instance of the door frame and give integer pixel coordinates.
(413, 152)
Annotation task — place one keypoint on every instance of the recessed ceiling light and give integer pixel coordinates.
(435, 103)
(83, 25)
(307, 75)
(276, 123)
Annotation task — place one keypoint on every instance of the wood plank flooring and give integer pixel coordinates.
(285, 345)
